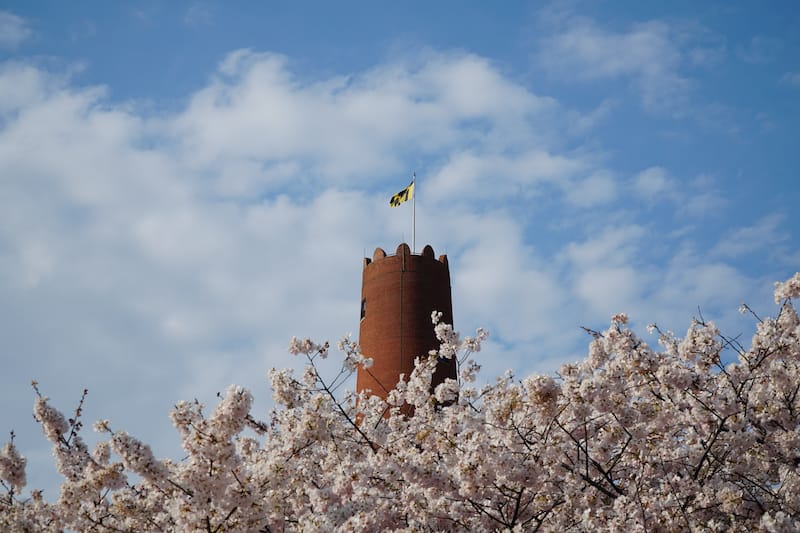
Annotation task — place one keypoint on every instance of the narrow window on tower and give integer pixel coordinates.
(363, 308)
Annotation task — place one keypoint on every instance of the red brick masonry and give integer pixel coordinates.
(398, 294)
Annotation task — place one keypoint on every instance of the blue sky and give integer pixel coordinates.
(186, 185)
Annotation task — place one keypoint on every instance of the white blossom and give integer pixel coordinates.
(12, 466)
(788, 289)
(693, 437)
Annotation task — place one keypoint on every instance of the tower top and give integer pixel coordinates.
(404, 251)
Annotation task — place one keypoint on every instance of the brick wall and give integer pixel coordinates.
(398, 294)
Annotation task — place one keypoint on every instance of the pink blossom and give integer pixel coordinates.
(684, 438)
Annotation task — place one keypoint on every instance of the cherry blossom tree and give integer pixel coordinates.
(630, 439)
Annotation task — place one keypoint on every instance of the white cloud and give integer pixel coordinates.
(611, 246)
(647, 54)
(35, 264)
(702, 46)
(691, 284)
(759, 49)
(617, 270)
(792, 78)
(654, 183)
(354, 126)
(702, 198)
(503, 280)
(707, 56)
(468, 175)
(599, 188)
(698, 197)
(198, 15)
(602, 288)
(581, 123)
(591, 52)
(765, 234)
(13, 30)
(21, 85)
(605, 272)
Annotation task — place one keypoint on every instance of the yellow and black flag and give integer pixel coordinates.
(403, 196)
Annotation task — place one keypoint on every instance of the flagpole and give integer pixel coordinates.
(414, 214)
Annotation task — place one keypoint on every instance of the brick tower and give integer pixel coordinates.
(398, 294)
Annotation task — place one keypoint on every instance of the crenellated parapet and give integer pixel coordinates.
(403, 252)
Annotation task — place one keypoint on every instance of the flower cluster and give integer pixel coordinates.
(12, 466)
(691, 437)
